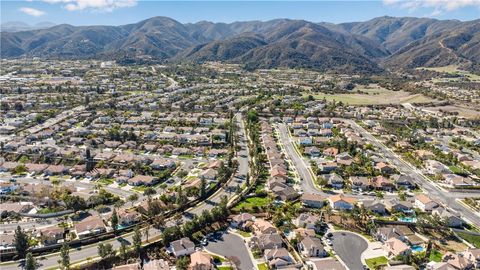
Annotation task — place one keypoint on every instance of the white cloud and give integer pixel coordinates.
(97, 5)
(438, 6)
(32, 11)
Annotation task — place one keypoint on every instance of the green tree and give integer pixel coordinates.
(123, 251)
(64, 261)
(149, 191)
(114, 220)
(76, 203)
(203, 187)
(106, 252)
(132, 198)
(21, 242)
(182, 263)
(30, 262)
(137, 241)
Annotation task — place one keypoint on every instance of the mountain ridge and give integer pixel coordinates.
(370, 46)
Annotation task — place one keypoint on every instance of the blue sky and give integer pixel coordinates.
(116, 12)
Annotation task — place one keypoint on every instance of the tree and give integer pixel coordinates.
(76, 203)
(106, 252)
(30, 262)
(137, 241)
(182, 263)
(114, 221)
(64, 260)
(149, 192)
(203, 187)
(146, 232)
(133, 198)
(21, 242)
(123, 251)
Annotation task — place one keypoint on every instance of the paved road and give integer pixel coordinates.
(448, 199)
(349, 247)
(232, 245)
(238, 179)
(301, 166)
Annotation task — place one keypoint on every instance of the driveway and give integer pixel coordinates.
(232, 245)
(349, 247)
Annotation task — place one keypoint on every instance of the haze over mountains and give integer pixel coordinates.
(371, 46)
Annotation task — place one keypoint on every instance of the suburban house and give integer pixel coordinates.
(181, 247)
(334, 180)
(306, 220)
(139, 180)
(277, 257)
(375, 206)
(326, 263)
(311, 247)
(312, 200)
(396, 247)
(266, 241)
(423, 202)
(200, 260)
(240, 220)
(342, 202)
(451, 219)
(90, 226)
(51, 235)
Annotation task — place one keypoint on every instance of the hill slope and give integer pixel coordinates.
(352, 47)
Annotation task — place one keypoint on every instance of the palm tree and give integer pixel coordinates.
(146, 232)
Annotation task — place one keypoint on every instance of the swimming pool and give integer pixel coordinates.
(408, 219)
(417, 248)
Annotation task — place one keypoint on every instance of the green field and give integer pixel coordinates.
(435, 256)
(472, 239)
(453, 69)
(262, 266)
(375, 262)
(373, 95)
(248, 204)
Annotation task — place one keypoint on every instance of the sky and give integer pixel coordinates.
(118, 12)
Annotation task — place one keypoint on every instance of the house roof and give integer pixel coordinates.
(182, 244)
(200, 258)
(396, 246)
(341, 197)
(328, 264)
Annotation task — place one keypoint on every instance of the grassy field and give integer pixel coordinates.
(262, 266)
(472, 239)
(244, 233)
(248, 204)
(435, 256)
(453, 69)
(373, 263)
(374, 95)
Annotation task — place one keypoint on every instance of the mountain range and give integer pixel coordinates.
(17, 26)
(384, 43)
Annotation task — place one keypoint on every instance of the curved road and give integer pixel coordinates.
(349, 247)
(232, 245)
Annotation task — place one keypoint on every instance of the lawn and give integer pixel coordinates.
(456, 170)
(262, 266)
(249, 203)
(244, 233)
(106, 181)
(224, 268)
(374, 95)
(140, 189)
(375, 262)
(472, 239)
(435, 256)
